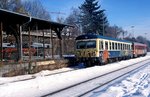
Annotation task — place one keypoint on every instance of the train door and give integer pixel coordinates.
(105, 52)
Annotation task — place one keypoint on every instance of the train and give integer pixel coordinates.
(98, 50)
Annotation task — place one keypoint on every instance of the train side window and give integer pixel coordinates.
(110, 47)
(128, 47)
(116, 46)
(121, 46)
(101, 45)
(124, 46)
(106, 45)
(113, 46)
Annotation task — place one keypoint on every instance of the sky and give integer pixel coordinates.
(132, 15)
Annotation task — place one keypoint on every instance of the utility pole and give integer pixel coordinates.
(145, 35)
(58, 13)
(132, 30)
(103, 25)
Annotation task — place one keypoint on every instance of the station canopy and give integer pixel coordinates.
(10, 19)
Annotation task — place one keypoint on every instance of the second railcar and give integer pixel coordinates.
(139, 49)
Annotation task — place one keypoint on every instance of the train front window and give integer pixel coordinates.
(86, 44)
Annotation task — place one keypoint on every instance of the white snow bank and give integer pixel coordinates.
(4, 80)
(41, 84)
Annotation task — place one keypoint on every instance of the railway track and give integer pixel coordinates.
(78, 90)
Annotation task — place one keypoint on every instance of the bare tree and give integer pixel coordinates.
(12, 5)
(73, 19)
(60, 19)
(115, 31)
(5, 4)
(36, 9)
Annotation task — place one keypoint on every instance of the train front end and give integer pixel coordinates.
(87, 50)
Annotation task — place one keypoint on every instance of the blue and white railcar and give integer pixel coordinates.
(101, 49)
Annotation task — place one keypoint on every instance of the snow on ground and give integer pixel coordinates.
(41, 84)
(135, 85)
(4, 80)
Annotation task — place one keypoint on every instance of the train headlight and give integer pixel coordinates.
(94, 53)
(78, 53)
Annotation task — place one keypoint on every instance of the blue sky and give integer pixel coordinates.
(123, 13)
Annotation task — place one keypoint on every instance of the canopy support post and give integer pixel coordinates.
(43, 46)
(52, 44)
(1, 44)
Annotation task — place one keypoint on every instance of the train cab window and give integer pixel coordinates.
(86, 44)
(91, 44)
(113, 46)
(81, 45)
(106, 45)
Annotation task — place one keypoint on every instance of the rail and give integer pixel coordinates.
(53, 94)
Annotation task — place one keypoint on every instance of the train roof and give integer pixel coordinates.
(91, 36)
(139, 44)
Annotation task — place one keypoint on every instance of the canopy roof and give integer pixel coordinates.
(9, 18)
